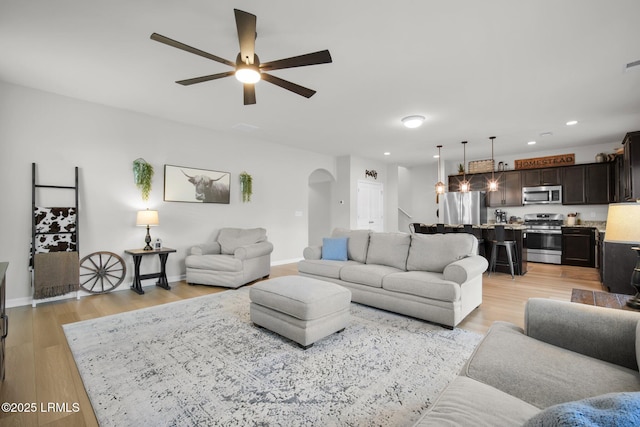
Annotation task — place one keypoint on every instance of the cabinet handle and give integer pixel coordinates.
(5, 320)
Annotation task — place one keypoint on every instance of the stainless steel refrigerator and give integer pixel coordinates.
(463, 208)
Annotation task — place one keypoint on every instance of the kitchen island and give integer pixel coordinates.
(516, 232)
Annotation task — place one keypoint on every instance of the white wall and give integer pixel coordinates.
(352, 169)
(59, 133)
(321, 183)
(405, 200)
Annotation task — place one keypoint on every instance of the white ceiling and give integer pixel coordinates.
(513, 69)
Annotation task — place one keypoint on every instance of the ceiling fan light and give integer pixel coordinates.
(248, 74)
(412, 122)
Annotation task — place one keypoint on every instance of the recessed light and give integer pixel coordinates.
(386, 153)
(572, 122)
(436, 156)
(412, 121)
(546, 134)
(531, 142)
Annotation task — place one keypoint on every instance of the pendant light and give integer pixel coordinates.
(464, 185)
(493, 184)
(439, 184)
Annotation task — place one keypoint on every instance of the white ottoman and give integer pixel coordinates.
(300, 308)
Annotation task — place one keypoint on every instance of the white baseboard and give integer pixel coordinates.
(125, 286)
(286, 261)
(19, 302)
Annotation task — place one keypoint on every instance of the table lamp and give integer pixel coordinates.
(623, 226)
(147, 219)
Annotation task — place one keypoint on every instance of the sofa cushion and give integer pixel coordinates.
(543, 374)
(232, 238)
(613, 409)
(367, 274)
(213, 262)
(466, 402)
(357, 244)
(324, 268)
(389, 249)
(422, 284)
(334, 248)
(433, 252)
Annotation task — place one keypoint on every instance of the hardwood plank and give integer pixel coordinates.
(40, 366)
(54, 382)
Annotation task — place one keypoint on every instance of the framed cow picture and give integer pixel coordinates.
(182, 184)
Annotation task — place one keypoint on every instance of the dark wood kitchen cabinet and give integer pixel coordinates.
(477, 181)
(579, 246)
(589, 184)
(509, 190)
(618, 262)
(631, 166)
(538, 177)
(599, 187)
(573, 178)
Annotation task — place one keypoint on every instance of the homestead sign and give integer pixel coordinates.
(546, 162)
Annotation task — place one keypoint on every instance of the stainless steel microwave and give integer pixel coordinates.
(551, 194)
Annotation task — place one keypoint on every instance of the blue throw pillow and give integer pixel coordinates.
(613, 409)
(334, 248)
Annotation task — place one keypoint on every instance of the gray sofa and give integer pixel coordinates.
(231, 258)
(572, 364)
(434, 277)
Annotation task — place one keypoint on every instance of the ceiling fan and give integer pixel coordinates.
(247, 67)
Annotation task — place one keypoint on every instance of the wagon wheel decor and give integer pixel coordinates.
(101, 272)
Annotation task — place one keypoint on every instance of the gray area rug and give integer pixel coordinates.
(202, 362)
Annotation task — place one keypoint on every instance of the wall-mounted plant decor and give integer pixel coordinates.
(142, 176)
(246, 186)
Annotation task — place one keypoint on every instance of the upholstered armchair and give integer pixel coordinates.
(231, 258)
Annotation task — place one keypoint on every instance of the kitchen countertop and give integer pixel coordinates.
(485, 226)
(598, 225)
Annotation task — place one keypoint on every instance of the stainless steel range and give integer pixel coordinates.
(544, 237)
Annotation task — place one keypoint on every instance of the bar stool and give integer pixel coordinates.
(468, 228)
(510, 248)
(440, 228)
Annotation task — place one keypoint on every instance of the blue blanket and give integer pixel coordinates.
(613, 409)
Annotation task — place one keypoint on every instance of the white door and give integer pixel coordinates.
(370, 206)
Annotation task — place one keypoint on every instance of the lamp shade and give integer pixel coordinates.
(147, 218)
(623, 223)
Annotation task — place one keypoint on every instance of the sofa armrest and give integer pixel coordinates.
(312, 252)
(603, 333)
(254, 250)
(205, 249)
(466, 268)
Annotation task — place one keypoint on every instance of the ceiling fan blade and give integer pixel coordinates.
(173, 43)
(320, 57)
(249, 94)
(300, 90)
(210, 77)
(246, 25)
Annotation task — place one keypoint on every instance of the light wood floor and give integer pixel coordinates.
(40, 368)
